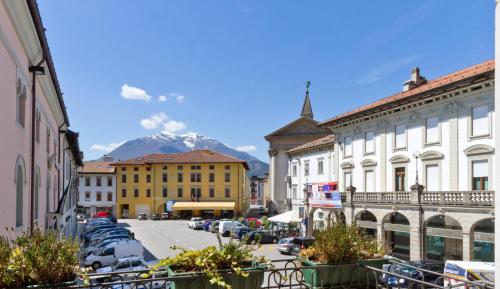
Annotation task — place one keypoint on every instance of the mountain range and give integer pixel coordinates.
(173, 143)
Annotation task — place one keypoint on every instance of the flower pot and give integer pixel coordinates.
(347, 274)
(254, 280)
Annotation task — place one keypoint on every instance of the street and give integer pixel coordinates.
(158, 236)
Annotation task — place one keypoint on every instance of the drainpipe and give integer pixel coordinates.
(33, 132)
(60, 131)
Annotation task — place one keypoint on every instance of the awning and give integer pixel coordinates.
(203, 206)
(288, 217)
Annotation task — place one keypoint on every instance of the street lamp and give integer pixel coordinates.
(416, 155)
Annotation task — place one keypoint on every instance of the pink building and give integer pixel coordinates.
(39, 154)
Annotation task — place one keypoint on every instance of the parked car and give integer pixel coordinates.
(240, 232)
(214, 226)
(393, 281)
(155, 217)
(107, 255)
(225, 227)
(252, 222)
(103, 232)
(124, 264)
(299, 244)
(285, 245)
(122, 236)
(89, 249)
(142, 216)
(262, 237)
(195, 223)
(165, 216)
(110, 234)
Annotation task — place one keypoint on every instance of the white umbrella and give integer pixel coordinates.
(288, 217)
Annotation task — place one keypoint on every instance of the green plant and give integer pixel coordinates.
(37, 258)
(265, 222)
(341, 243)
(231, 257)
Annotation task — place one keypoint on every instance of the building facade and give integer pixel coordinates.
(196, 183)
(303, 130)
(34, 121)
(97, 188)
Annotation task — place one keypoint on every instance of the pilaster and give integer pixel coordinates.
(466, 244)
(453, 159)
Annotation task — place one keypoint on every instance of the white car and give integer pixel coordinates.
(195, 223)
(124, 264)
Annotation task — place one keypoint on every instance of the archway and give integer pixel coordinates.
(367, 221)
(483, 240)
(443, 239)
(397, 235)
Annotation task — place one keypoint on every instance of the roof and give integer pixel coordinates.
(293, 123)
(329, 139)
(74, 146)
(203, 205)
(194, 157)
(446, 80)
(97, 168)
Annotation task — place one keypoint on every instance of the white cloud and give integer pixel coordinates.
(247, 148)
(178, 97)
(161, 120)
(106, 148)
(134, 93)
(162, 98)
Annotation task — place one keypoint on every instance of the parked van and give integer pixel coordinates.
(225, 227)
(108, 254)
(481, 272)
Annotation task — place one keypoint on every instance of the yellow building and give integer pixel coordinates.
(196, 183)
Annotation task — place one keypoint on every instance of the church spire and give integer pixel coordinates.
(306, 107)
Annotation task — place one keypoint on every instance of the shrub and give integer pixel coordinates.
(232, 256)
(341, 243)
(39, 258)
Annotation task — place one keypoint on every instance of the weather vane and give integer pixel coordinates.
(308, 83)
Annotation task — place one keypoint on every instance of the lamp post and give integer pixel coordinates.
(306, 210)
(416, 155)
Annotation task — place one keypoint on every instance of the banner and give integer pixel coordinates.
(324, 195)
(169, 205)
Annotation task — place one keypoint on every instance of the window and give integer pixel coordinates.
(164, 177)
(179, 177)
(148, 169)
(347, 179)
(399, 179)
(108, 252)
(164, 192)
(432, 177)
(320, 167)
(369, 181)
(227, 193)
(21, 104)
(148, 178)
(87, 196)
(227, 167)
(124, 193)
(480, 175)
(164, 168)
(136, 169)
(179, 168)
(347, 146)
(211, 192)
(110, 196)
(124, 178)
(148, 193)
(110, 181)
(98, 196)
(98, 181)
(179, 192)
(195, 194)
(306, 168)
(195, 167)
(227, 177)
(294, 192)
(124, 169)
(369, 142)
(211, 167)
(480, 125)
(48, 140)
(294, 170)
(211, 177)
(195, 177)
(38, 120)
(136, 179)
(432, 130)
(136, 193)
(87, 181)
(400, 136)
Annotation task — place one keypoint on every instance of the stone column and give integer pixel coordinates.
(380, 233)
(416, 229)
(453, 159)
(383, 157)
(348, 205)
(466, 244)
(272, 174)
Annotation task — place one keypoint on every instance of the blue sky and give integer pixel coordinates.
(235, 70)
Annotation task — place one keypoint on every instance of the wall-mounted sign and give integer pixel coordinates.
(169, 205)
(324, 195)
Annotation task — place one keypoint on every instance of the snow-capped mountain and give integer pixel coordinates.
(173, 143)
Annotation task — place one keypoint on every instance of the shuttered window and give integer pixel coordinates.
(432, 177)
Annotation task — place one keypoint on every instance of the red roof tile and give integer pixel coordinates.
(329, 139)
(195, 156)
(445, 80)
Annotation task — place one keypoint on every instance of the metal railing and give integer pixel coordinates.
(292, 274)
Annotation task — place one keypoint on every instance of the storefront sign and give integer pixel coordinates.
(324, 195)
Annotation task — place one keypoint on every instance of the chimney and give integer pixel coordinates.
(415, 80)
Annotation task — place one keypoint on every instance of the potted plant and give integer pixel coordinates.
(38, 259)
(231, 266)
(345, 246)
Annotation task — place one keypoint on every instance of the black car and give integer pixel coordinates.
(300, 243)
(412, 272)
(155, 217)
(240, 232)
(262, 237)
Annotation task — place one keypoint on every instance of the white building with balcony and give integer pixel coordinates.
(97, 188)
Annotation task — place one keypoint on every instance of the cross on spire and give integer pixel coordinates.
(306, 107)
